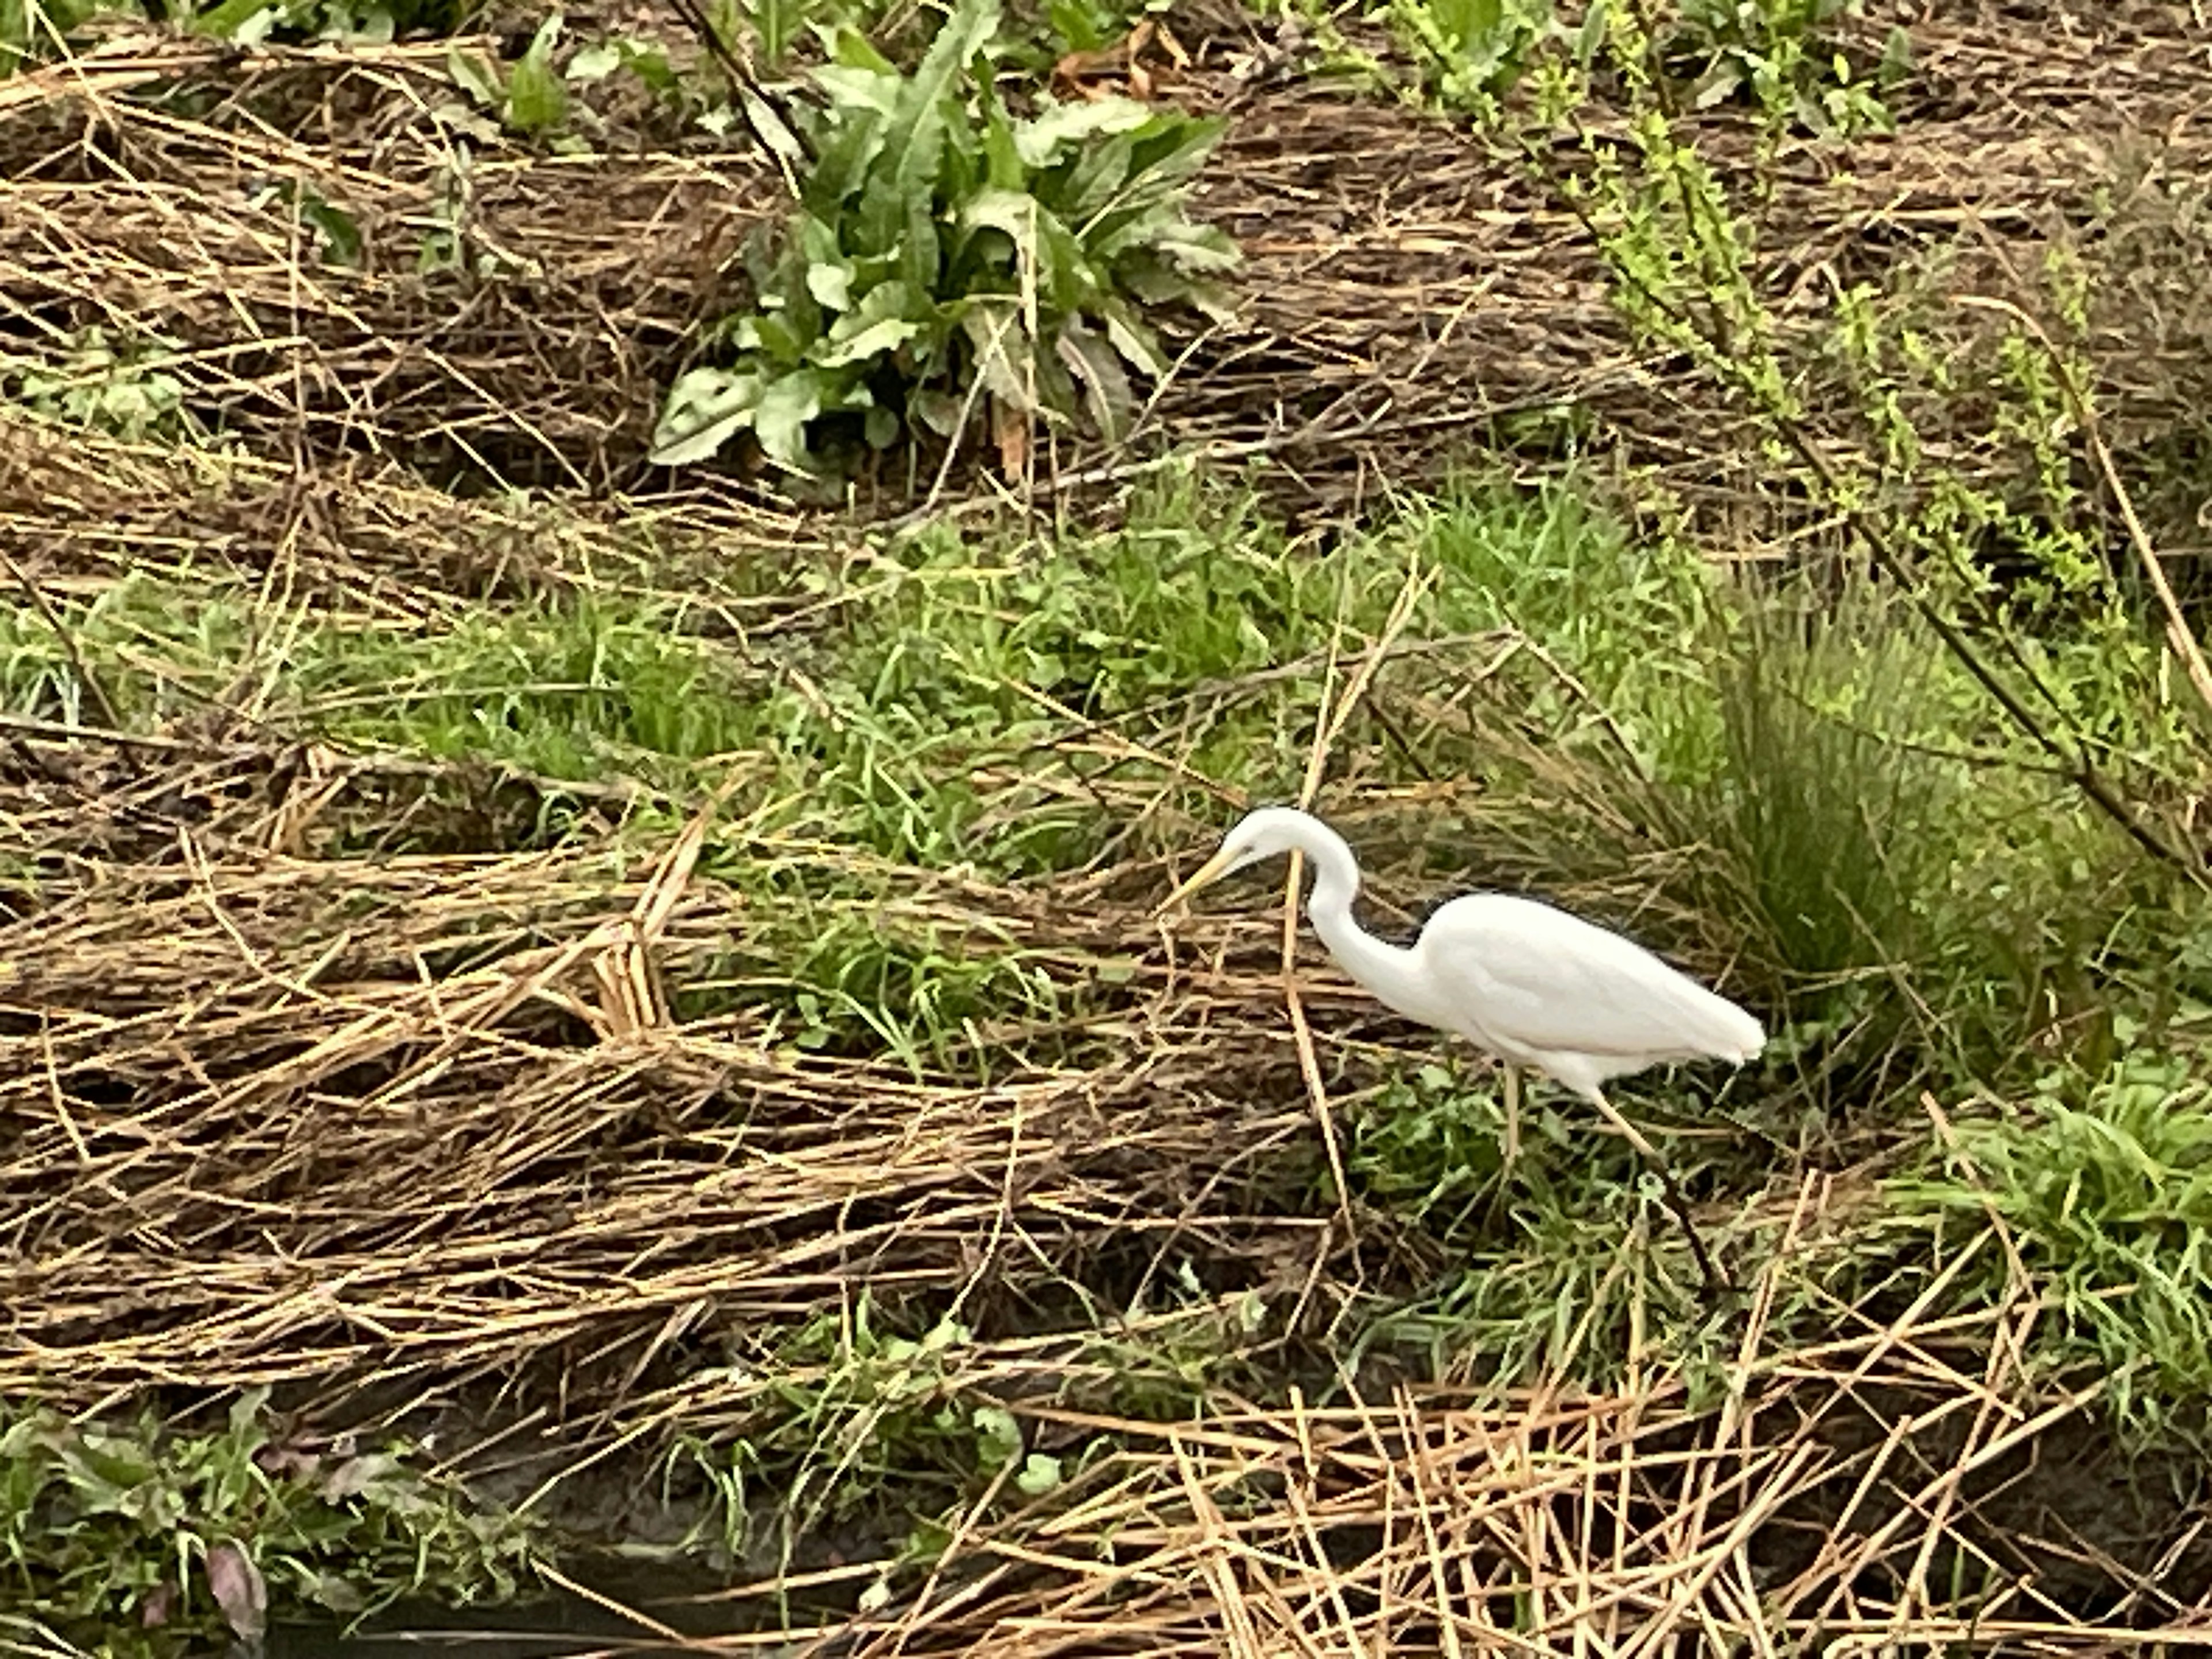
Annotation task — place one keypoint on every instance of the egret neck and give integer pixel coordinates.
(1384, 969)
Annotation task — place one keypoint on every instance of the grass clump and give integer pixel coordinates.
(573, 687)
(136, 1539)
(2103, 1185)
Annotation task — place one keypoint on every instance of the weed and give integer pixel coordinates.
(120, 388)
(32, 30)
(250, 22)
(1782, 54)
(565, 691)
(531, 99)
(1558, 1259)
(945, 255)
(133, 1539)
(843, 974)
(1429, 1151)
(853, 1417)
(1470, 52)
(1682, 260)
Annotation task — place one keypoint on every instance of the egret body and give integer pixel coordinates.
(1534, 986)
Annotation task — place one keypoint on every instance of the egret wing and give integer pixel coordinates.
(1520, 973)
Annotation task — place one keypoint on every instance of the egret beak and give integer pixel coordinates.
(1206, 875)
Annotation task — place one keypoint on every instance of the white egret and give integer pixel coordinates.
(1533, 985)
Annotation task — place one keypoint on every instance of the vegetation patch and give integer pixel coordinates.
(132, 1537)
(609, 995)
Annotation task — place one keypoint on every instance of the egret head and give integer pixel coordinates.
(1265, 834)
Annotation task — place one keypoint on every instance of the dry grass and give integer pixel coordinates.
(422, 1132)
(1407, 284)
(450, 1088)
(409, 1132)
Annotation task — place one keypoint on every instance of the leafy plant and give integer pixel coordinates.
(530, 98)
(849, 1414)
(30, 30)
(1782, 53)
(372, 21)
(145, 1541)
(944, 254)
(1471, 51)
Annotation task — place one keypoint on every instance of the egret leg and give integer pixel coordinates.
(1512, 1115)
(1675, 1202)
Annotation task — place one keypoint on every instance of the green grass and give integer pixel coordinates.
(1807, 794)
(2099, 1185)
(1815, 791)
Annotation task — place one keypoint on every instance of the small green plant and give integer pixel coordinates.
(531, 99)
(1783, 55)
(31, 30)
(850, 1414)
(1471, 52)
(366, 22)
(944, 255)
(138, 1540)
(1093, 25)
(122, 388)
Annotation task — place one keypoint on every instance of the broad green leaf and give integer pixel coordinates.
(817, 241)
(1596, 22)
(776, 22)
(649, 63)
(1003, 167)
(706, 409)
(781, 336)
(473, 74)
(828, 273)
(831, 284)
(1056, 394)
(841, 172)
(1040, 1475)
(850, 87)
(1134, 340)
(1166, 157)
(258, 27)
(1094, 183)
(966, 32)
(1050, 265)
(1200, 250)
(768, 125)
(536, 97)
(891, 298)
(1039, 141)
(1105, 383)
(1013, 211)
(1003, 353)
(786, 404)
(875, 338)
(916, 135)
(998, 1435)
(594, 62)
(919, 255)
(938, 411)
(850, 48)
